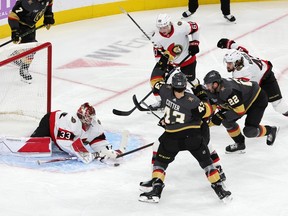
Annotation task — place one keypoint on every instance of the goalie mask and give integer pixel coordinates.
(86, 113)
(234, 60)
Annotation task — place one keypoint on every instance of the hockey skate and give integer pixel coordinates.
(272, 136)
(221, 173)
(25, 76)
(147, 186)
(238, 148)
(155, 194)
(230, 18)
(221, 193)
(186, 14)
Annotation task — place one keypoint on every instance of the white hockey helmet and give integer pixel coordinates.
(163, 20)
(235, 57)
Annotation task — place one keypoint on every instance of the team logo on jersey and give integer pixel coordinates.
(177, 49)
(73, 120)
(179, 23)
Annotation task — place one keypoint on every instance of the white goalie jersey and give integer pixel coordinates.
(67, 133)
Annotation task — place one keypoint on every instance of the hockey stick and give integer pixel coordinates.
(39, 162)
(127, 113)
(23, 35)
(125, 12)
(134, 150)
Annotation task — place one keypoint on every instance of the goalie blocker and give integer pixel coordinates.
(26, 147)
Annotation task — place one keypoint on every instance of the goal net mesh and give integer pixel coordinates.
(25, 82)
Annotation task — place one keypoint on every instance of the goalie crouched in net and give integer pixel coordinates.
(23, 18)
(80, 135)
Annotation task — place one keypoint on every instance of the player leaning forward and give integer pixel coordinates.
(80, 135)
(184, 130)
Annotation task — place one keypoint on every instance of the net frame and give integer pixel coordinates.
(47, 46)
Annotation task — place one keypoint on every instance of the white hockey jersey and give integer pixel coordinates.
(254, 69)
(65, 129)
(177, 42)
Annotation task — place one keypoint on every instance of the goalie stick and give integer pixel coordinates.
(39, 162)
(23, 35)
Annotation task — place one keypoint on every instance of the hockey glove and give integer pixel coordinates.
(225, 43)
(163, 62)
(193, 47)
(218, 117)
(161, 123)
(48, 20)
(199, 90)
(15, 36)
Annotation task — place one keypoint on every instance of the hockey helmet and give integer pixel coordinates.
(235, 57)
(163, 20)
(212, 76)
(86, 113)
(179, 81)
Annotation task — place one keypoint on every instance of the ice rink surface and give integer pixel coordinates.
(106, 61)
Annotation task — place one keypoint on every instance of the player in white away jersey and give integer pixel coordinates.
(80, 135)
(246, 67)
(173, 42)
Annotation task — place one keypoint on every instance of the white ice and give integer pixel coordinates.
(258, 179)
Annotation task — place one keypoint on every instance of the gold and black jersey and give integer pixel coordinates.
(28, 12)
(236, 95)
(184, 113)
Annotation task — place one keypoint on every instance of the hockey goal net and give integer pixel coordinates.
(25, 82)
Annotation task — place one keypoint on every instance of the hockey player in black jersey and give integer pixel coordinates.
(23, 18)
(184, 130)
(236, 98)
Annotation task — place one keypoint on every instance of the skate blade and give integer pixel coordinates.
(236, 152)
(145, 189)
(227, 199)
(153, 199)
(26, 81)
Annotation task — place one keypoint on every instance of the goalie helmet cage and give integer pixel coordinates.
(17, 98)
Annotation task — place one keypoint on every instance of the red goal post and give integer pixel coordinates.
(22, 99)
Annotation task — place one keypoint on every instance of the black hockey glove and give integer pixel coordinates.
(48, 20)
(163, 62)
(199, 90)
(161, 123)
(225, 43)
(218, 117)
(15, 36)
(193, 47)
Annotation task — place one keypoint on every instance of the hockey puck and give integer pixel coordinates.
(116, 164)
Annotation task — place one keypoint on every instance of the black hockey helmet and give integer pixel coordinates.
(212, 76)
(179, 81)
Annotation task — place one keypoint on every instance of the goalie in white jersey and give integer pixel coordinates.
(80, 135)
(246, 67)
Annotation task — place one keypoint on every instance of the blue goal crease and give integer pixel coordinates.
(72, 166)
